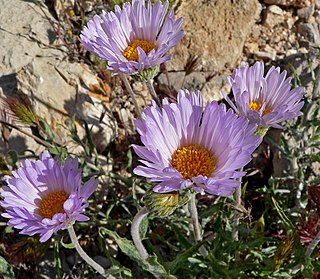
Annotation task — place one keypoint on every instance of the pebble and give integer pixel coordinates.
(265, 55)
(309, 32)
(272, 16)
(305, 13)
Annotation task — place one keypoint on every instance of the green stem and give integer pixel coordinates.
(153, 93)
(129, 89)
(236, 217)
(135, 232)
(37, 139)
(82, 253)
(195, 223)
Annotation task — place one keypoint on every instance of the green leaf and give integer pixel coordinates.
(67, 245)
(46, 128)
(144, 227)
(127, 247)
(57, 261)
(286, 221)
(3, 167)
(89, 138)
(6, 269)
(60, 151)
(12, 157)
(180, 236)
(117, 271)
(129, 158)
(183, 257)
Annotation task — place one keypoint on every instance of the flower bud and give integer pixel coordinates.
(147, 74)
(161, 205)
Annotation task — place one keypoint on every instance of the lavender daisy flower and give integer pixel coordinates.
(134, 38)
(186, 147)
(44, 196)
(267, 100)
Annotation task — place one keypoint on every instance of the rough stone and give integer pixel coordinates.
(289, 20)
(210, 88)
(215, 31)
(273, 15)
(305, 13)
(30, 36)
(309, 31)
(35, 66)
(265, 55)
(251, 47)
(289, 3)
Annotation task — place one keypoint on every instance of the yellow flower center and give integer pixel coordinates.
(192, 161)
(52, 204)
(257, 106)
(131, 52)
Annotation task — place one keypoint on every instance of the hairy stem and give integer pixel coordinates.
(83, 254)
(37, 139)
(236, 217)
(129, 89)
(195, 222)
(153, 93)
(135, 232)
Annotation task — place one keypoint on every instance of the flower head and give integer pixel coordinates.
(44, 196)
(186, 147)
(267, 100)
(134, 38)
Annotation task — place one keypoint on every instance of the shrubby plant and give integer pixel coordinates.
(187, 209)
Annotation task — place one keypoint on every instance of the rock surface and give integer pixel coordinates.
(33, 64)
(273, 15)
(215, 31)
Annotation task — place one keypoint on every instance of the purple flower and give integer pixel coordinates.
(267, 100)
(133, 38)
(44, 196)
(186, 147)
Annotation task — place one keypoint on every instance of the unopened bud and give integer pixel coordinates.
(161, 205)
(147, 74)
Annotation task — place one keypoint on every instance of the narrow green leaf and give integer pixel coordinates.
(144, 227)
(67, 245)
(57, 261)
(286, 221)
(183, 257)
(180, 236)
(127, 247)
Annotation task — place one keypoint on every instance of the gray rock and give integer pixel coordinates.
(30, 36)
(265, 55)
(272, 16)
(215, 31)
(305, 13)
(34, 65)
(309, 31)
(289, 3)
(210, 88)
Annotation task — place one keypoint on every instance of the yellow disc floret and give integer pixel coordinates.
(192, 161)
(131, 52)
(52, 204)
(257, 106)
